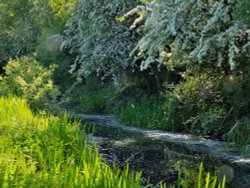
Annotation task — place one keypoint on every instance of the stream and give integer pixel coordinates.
(160, 154)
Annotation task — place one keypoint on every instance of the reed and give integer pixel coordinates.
(46, 151)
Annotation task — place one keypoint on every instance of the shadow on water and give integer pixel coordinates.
(161, 154)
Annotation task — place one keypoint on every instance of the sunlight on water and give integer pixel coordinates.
(159, 135)
(124, 142)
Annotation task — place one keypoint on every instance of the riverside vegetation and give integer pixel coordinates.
(46, 151)
(180, 66)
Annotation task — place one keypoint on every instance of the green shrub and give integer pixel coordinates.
(239, 97)
(47, 151)
(239, 134)
(200, 87)
(138, 110)
(94, 101)
(174, 115)
(25, 77)
(90, 96)
(143, 110)
(200, 95)
(209, 122)
(152, 111)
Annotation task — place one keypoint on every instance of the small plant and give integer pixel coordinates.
(239, 134)
(188, 178)
(25, 77)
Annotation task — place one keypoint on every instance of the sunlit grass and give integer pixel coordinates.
(200, 182)
(46, 151)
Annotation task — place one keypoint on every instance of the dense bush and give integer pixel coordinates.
(142, 111)
(25, 77)
(152, 111)
(63, 8)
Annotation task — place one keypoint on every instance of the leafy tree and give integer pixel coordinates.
(189, 32)
(101, 43)
(51, 48)
(18, 29)
(207, 43)
(22, 22)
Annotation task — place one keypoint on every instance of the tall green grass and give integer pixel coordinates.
(202, 180)
(152, 112)
(46, 151)
(239, 134)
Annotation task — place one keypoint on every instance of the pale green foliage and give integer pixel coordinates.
(24, 77)
(197, 31)
(63, 8)
(101, 43)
